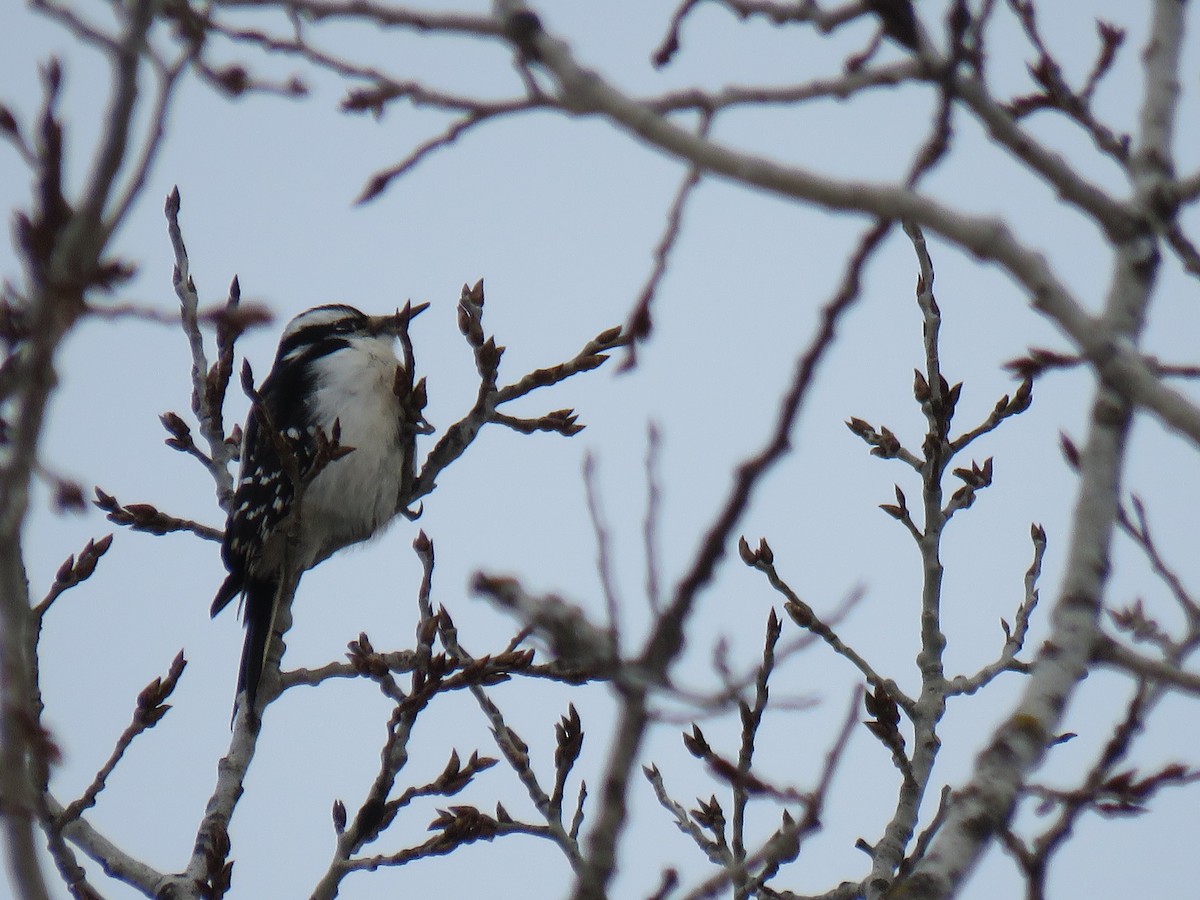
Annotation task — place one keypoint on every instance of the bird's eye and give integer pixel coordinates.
(344, 326)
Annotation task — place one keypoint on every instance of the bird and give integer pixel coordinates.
(332, 404)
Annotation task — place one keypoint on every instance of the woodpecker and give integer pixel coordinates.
(334, 378)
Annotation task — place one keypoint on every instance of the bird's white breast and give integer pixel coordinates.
(357, 494)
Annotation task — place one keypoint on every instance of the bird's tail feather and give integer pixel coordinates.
(230, 588)
(259, 615)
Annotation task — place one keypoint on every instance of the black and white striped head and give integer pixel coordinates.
(322, 330)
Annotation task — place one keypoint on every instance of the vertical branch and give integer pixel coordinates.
(1152, 162)
(21, 740)
(986, 803)
(938, 407)
(603, 550)
(203, 398)
(208, 868)
(62, 249)
(752, 717)
(650, 523)
(937, 399)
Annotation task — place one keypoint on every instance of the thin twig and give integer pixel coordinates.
(604, 566)
(639, 322)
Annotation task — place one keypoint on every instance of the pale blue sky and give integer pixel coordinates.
(560, 217)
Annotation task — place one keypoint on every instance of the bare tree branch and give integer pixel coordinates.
(1021, 741)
